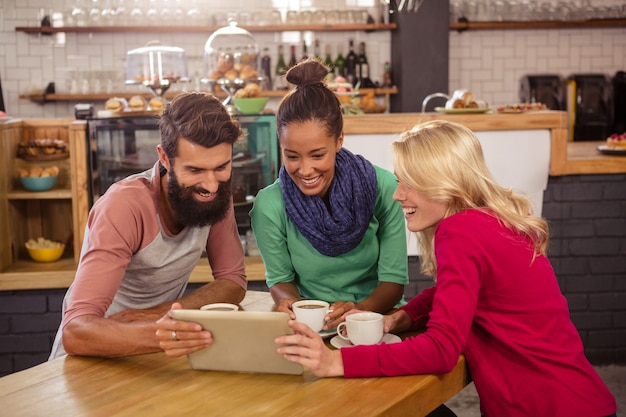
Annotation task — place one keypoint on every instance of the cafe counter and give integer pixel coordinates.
(522, 150)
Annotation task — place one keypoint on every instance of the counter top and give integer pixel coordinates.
(61, 274)
(566, 158)
(156, 385)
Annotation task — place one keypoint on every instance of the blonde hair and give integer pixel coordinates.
(444, 161)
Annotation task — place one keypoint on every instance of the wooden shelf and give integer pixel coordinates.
(550, 24)
(207, 29)
(46, 98)
(59, 194)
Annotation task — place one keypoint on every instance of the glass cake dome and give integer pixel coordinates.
(231, 54)
(156, 66)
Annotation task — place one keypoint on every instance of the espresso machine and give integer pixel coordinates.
(542, 88)
(590, 107)
(619, 102)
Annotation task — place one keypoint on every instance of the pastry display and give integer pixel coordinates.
(156, 104)
(156, 66)
(340, 85)
(249, 91)
(230, 56)
(38, 172)
(463, 99)
(521, 107)
(617, 141)
(116, 104)
(137, 103)
(42, 243)
(42, 149)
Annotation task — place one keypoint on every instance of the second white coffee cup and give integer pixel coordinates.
(311, 313)
(362, 328)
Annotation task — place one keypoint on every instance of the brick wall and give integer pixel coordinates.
(587, 216)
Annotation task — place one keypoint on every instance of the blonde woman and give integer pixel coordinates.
(496, 297)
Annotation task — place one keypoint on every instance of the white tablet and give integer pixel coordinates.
(243, 341)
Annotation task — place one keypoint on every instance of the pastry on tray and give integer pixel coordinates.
(616, 141)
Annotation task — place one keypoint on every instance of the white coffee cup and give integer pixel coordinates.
(220, 307)
(311, 313)
(362, 328)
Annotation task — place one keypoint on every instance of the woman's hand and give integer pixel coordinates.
(339, 309)
(284, 305)
(397, 322)
(307, 348)
(179, 338)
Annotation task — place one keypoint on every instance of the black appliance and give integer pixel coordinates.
(619, 102)
(590, 106)
(546, 89)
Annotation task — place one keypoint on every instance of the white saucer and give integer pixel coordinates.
(338, 342)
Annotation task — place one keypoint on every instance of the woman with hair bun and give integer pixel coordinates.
(328, 228)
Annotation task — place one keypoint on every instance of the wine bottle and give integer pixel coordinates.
(281, 69)
(266, 69)
(328, 60)
(292, 59)
(387, 80)
(340, 63)
(305, 54)
(351, 64)
(316, 50)
(363, 68)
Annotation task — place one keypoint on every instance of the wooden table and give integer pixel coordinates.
(155, 385)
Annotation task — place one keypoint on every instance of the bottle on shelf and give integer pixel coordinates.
(281, 68)
(305, 54)
(363, 69)
(292, 58)
(266, 70)
(387, 80)
(316, 50)
(340, 63)
(328, 60)
(351, 64)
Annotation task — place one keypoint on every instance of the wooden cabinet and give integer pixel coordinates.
(58, 214)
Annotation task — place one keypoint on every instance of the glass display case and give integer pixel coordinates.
(121, 146)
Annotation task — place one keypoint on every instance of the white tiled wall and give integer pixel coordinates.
(490, 63)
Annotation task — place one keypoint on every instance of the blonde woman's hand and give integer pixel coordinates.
(307, 348)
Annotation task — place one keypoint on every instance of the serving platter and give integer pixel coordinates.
(610, 150)
(478, 110)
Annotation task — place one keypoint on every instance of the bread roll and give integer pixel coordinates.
(156, 103)
(137, 103)
(115, 104)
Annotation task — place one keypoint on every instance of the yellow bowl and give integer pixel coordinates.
(251, 105)
(47, 254)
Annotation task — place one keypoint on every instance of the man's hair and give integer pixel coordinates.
(200, 118)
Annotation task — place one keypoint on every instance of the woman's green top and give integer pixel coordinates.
(288, 256)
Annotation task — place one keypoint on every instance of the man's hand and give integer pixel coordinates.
(179, 338)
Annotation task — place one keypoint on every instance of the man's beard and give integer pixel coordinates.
(193, 213)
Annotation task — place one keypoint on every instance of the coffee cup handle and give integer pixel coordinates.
(340, 327)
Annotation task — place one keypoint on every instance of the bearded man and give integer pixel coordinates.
(146, 234)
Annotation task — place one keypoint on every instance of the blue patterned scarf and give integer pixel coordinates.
(352, 197)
